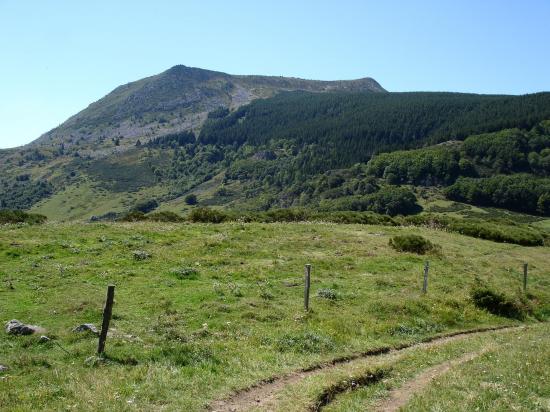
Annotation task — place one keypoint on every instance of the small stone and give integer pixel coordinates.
(86, 327)
(44, 339)
(3, 368)
(93, 361)
(141, 255)
(15, 327)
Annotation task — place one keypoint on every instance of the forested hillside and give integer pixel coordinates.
(325, 151)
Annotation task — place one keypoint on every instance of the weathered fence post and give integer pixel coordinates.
(525, 277)
(426, 269)
(107, 312)
(307, 282)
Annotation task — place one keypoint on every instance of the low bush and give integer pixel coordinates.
(185, 273)
(363, 218)
(165, 217)
(109, 216)
(133, 216)
(146, 206)
(206, 215)
(286, 215)
(498, 233)
(140, 255)
(18, 216)
(191, 199)
(329, 294)
(498, 303)
(411, 243)
(502, 231)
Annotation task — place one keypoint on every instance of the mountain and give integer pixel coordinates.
(177, 99)
(257, 142)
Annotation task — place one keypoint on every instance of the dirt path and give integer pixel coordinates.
(263, 396)
(401, 396)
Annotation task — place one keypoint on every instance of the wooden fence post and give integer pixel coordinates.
(525, 277)
(426, 269)
(307, 282)
(107, 312)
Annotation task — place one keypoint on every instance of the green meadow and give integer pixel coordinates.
(203, 310)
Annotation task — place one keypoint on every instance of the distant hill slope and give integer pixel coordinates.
(259, 142)
(177, 99)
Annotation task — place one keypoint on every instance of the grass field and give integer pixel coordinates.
(496, 371)
(203, 310)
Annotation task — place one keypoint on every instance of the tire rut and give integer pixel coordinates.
(263, 395)
(401, 396)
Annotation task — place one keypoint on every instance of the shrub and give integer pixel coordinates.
(364, 218)
(18, 216)
(109, 216)
(411, 243)
(165, 217)
(286, 215)
(185, 273)
(191, 199)
(140, 255)
(329, 294)
(133, 216)
(498, 303)
(206, 215)
(389, 200)
(146, 206)
(502, 231)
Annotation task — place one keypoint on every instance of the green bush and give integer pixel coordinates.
(18, 216)
(191, 199)
(133, 216)
(411, 243)
(364, 218)
(389, 200)
(206, 215)
(502, 231)
(165, 217)
(185, 273)
(146, 206)
(498, 303)
(329, 294)
(286, 215)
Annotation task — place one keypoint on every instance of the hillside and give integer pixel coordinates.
(204, 310)
(177, 99)
(257, 143)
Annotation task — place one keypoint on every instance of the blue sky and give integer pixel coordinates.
(59, 56)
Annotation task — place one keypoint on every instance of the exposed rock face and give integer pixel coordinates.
(15, 327)
(86, 327)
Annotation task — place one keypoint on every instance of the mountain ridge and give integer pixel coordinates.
(179, 99)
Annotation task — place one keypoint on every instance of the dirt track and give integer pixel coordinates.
(263, 396)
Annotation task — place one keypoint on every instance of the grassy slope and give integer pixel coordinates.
(177, 344)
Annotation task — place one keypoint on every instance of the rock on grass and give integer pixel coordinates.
(15, 327)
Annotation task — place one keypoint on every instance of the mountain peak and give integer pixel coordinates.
(179, 99)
